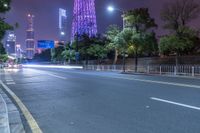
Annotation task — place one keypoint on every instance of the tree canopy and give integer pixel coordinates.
(174, 44)
(4, 7)
(179, 13)
(139, 19)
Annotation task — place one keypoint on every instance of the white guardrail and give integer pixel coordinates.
(185, 70)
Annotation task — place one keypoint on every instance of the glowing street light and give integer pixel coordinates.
(5, 5)
(62, 33)
(110, 8)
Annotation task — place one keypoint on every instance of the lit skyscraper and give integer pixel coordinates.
(30, 41)
(18, 51)
(62, 24)
(10, 43)
(84, 18)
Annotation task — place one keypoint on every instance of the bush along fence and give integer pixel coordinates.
(184, 70)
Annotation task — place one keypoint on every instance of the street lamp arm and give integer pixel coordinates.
(120, 10)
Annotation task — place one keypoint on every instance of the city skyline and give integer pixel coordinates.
(48, 27)
(99, 66)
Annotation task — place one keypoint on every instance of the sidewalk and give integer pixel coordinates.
(10, 121)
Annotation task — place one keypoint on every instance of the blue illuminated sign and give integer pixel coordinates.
(45, 44)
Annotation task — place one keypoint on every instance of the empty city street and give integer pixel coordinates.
(78, 101)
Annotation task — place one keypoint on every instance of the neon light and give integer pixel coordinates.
(84, 18)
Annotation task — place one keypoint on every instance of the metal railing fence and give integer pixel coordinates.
(185, 70)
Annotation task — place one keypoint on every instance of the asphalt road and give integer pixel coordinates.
(76, 101)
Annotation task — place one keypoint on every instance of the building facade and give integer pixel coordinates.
(18, 51)
(30, 37)
(10, 43)
(62, 24)
(84, 18)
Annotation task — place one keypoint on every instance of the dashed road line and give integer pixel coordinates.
(175, 103)
(60, 77)
(10, 83)
(31, 121)
(9, 79)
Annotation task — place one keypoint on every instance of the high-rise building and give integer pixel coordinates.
(30, 40)
(84, 18)
(10, 43)
(18, 51)
(62, 24)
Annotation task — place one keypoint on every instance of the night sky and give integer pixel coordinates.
(46, 15)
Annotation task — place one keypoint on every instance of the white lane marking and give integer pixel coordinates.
(10, 83)
(57, 76)
(175, 103)
(158, 82)
(9, 80)
(146, 80)
(31, 121)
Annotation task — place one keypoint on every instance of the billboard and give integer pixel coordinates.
(45, 44)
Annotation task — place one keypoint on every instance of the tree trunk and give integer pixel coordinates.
(136, 61)
(86, 60)
(116, 57)
(124, 63)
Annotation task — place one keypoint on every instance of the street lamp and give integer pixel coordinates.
(112, 9)
(62, 33)
(5, 5)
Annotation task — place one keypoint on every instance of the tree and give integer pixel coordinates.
(69, 53)
(174, 44)
(89, 43)
(2, 49)
(97, 51)
(4, 7)
(112, 32)
(179, 13)
(122, 41)
(56, 54)
(44, 56)
(84, 43)
(139, 19)
(150, 46)
(139, 22)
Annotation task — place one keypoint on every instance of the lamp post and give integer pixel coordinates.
(112, 9)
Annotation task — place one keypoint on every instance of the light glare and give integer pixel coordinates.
(52, 66)
(111, 8)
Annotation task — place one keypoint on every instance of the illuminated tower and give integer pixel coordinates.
(84, 18)
(30, 41)
(62, 24)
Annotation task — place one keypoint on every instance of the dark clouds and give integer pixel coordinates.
(46, 15)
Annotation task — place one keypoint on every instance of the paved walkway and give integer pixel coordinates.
(10, 121)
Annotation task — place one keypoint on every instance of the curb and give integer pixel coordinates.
(4, 121)
(163, 75)
(14, 122)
